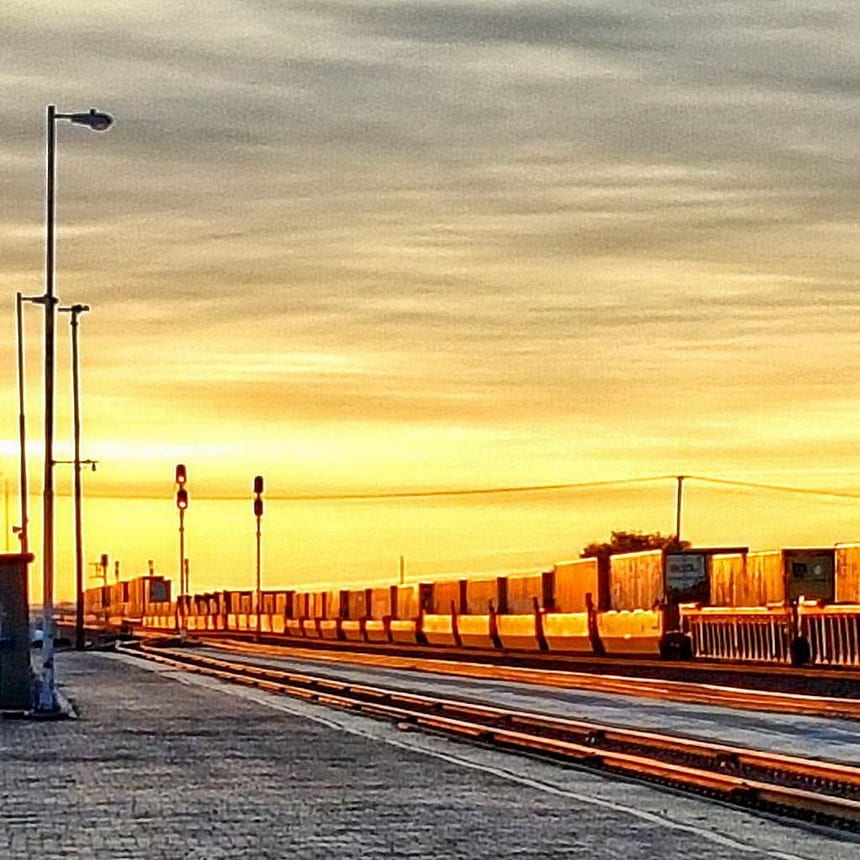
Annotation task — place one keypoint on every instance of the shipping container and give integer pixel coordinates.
(727, 570)
(480, 594)
(522, 592)
(405, 602)
(572, 580)
(447, 594)
(381, 600)
(776, 576)
(848, 573)
(636, 580)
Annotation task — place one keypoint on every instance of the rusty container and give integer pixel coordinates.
(727, 570)
(572, 580)
(847, 575)
(777, 576)
(522, 592)
(380, 601)
(447, 594)
(636, 580)
(480, 594)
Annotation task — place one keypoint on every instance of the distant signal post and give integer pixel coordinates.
(258, 514)
(182, 506)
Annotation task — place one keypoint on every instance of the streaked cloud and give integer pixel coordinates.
(480, 239)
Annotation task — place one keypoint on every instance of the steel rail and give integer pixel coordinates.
(848, 674)
(676, 691)
(813, 790)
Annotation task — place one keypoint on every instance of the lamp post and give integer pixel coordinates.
(75, 311)
(97, 121)
(22, 529)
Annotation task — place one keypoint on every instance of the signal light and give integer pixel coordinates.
(182, 498)
(181, 477)
(258, 484)
(258, 507)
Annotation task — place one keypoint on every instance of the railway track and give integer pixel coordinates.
(817, 680)
(824, 793)
(655, 688)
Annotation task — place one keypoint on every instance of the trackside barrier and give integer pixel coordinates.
(406, 631)
(731, 633)
(440, 629)
(519, 632)
(636, 631)
(377, 629)
(833, 633)
(329, 628)
(352, 630)
(474, 631)
(295, 627)
(567, 631)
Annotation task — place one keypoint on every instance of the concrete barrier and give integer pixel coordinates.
(474, 631)
(310, 628)
(377, 630)
(404, 630)
(518, 632)
(329, 628)
(567, 631)
(352, 630)
(636, 631)
(440, 630)
(295, 627)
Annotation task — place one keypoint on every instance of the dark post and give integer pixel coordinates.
(16, 686)
(258, 513)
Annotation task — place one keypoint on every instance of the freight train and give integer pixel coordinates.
(796, 605)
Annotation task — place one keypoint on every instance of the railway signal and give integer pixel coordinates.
(181, 477)
(258, 514)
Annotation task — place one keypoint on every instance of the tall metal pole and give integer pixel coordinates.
(76, 311)
(258, 513)
(48, 699)
(181, 504)
(678, 497)
(182, 571)
(22, 427)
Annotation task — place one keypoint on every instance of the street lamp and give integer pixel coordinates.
(97, 121)
(75, 311)
(22, 529)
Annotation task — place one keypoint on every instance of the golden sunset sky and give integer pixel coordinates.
(385, 246)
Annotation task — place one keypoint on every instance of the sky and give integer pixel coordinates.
(364, 247)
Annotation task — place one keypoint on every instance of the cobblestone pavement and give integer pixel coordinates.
(159, 769)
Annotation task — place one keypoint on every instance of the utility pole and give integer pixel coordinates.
(75, 311)
(402, 570)
(678, 498)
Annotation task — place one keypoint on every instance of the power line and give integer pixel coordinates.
(777, 488)
(489, 491)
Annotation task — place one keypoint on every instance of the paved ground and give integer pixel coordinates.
(160, 769)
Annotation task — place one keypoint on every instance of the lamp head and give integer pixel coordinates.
(96, 120)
